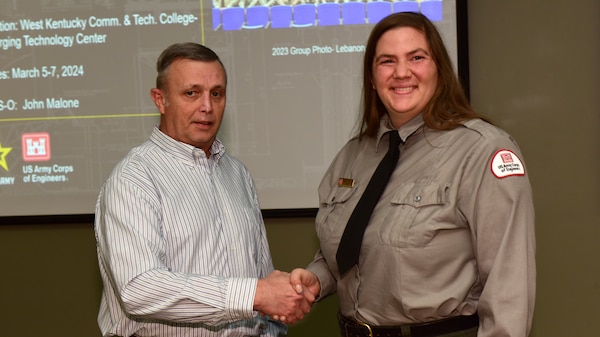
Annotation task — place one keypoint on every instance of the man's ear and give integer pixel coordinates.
(159, 98)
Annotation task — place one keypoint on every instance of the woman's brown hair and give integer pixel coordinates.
(448, 107)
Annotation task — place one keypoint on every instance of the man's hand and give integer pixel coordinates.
(276, 297)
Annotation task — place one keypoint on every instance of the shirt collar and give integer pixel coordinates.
(405, 130)
(183, 151)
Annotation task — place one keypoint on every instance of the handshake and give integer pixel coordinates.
(286, 297)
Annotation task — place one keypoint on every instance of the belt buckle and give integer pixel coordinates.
(366, 326)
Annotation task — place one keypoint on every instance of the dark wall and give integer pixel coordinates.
(534, 70)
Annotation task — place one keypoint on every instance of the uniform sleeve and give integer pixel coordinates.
(319, 265)
(131, 251)
(326, 279)
(496, 199)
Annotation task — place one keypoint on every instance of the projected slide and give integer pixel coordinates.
(75, 77)
(257, 14)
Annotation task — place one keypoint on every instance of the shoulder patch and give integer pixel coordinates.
(506, 163)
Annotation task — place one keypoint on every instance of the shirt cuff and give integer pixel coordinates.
(240, 298)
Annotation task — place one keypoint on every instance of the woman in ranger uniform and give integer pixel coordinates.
(449, 248)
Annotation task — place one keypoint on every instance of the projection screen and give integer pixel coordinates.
(75, 78)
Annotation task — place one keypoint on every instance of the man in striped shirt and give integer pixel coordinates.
(181, 243)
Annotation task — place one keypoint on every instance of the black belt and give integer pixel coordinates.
(352, 328)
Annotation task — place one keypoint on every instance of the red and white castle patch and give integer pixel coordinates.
(506, 163)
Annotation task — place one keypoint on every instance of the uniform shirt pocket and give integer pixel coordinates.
(333, 212)
(412, 214)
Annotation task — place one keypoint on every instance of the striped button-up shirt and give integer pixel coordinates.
(181, 244)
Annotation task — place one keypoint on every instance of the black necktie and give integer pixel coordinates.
(349, 249)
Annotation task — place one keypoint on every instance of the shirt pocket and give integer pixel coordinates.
(334, 212)
(412, 215)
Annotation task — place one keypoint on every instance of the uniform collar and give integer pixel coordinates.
(404, 131)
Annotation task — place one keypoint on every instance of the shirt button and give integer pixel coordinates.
(417, 198)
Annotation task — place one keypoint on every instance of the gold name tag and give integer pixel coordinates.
(346, 182)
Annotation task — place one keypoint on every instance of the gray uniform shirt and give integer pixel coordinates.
(453, 233)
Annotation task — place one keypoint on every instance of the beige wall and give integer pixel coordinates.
(534, 70)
